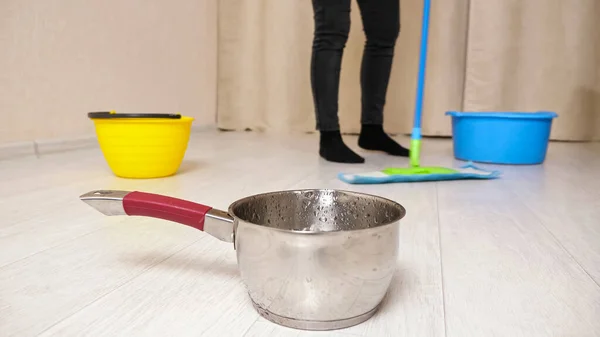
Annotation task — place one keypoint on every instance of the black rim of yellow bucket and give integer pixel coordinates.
(107, 115)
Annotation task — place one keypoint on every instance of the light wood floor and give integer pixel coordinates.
(518, 256)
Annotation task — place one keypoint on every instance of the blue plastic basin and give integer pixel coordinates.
(517, 138)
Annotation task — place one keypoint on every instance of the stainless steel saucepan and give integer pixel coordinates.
(310, 259)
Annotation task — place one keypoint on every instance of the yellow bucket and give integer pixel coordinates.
(142, 145)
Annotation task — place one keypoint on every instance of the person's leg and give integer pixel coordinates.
(332, 25)
(381, 22)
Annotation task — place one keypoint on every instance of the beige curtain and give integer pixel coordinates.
(484, 55)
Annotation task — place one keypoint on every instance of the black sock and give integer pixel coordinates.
(332, 148)
(372, 137)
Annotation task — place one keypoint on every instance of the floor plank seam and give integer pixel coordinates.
(124, 283)
(439, 224)
(51, 247)
(555, 238)
(250, 326)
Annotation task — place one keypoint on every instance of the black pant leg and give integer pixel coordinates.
(332, 25)
(381, 22)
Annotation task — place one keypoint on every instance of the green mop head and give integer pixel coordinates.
(417, 174)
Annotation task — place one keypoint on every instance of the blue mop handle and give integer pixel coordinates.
(415, 143)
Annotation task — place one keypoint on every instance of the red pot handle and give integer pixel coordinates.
(162, 207)
(166, 208)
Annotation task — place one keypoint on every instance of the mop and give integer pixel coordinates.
(416, 173)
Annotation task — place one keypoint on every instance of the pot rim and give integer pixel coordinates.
(394, 203)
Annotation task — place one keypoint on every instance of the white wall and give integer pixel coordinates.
(61, 59)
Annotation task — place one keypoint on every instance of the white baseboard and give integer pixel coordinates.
(63, 145)
(44, 147)
(17, 150)
(203, 128)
